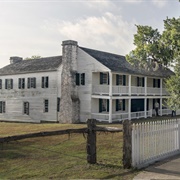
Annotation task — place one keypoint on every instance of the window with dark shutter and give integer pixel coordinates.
(45, 82)
(34, 82)
(58, 104)
(0, 83)
(42, 83)
(21, 83)
(26, 108)
(8, 83)
(11, 84)
(124, 80)
(138, 81)
(119, 104)
(2, 106)
(31, 82)
(83, 79)
(100, 105)
(143, 82)
(77, 79)
(124, 104)
(46, 105)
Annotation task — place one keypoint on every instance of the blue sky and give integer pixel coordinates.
(29, 27)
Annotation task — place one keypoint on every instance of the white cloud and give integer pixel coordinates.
(108, 32)
(159, 3)
(133, 1)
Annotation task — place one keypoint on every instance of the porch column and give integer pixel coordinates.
(110, 110)
(145, 85)
(129, 85)
(161, 87)
(110, 83)
(160, 108)
(129, 109)
(110, 94)
(145, 107)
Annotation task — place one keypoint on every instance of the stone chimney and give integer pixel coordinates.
(15, 59)
(69, 104)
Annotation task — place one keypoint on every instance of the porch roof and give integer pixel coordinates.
(118, 63)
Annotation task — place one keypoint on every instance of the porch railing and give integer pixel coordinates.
(124, 90)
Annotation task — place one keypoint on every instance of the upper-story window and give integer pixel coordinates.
(31, 82)
(121, 80)
(104, 78)
(80, 79)
(8, 83)
(21, 83)
(140, 81)
(45, 82)
(156, 83)
(0, 83)
(2, 106)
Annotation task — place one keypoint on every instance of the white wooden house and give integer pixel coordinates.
(82, 83)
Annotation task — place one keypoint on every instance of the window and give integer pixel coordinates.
(21, 83)
(58, 104)
(45, 82)
(156, 83)
(8, 83)
(80, 79)
(140, 81)
(104, 78)
(103, 105)
(2, 106)
(46, 105)
(0, 83)
(32, 82)
(26, 108)
(120, 104)
(121, 80)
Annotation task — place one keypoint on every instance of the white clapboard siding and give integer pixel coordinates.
(153, 141)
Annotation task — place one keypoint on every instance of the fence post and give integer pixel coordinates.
(127, 144)
(91, 141)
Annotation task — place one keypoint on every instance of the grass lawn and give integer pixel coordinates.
(60, 157)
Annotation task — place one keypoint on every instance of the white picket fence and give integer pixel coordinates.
(154, 141)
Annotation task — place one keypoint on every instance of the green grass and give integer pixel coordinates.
(59, 157)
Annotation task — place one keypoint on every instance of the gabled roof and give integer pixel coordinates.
(33, 65)
(118, 63)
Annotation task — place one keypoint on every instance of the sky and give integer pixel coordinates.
(38, 27)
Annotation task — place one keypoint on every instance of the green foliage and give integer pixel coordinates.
(153, 47)
(33, 57)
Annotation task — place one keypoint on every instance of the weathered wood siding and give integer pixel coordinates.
(15, 98)
(87, 65)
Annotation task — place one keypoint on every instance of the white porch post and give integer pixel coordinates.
(129, 109)
(145, 107)
(129, 85)
(110, 94)
(145, 86)
(160, 107)
(161, 87)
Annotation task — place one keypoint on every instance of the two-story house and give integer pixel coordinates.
(82, 83)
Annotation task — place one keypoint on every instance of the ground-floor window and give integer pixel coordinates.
(46, 105)
(120, 105)
(26, 108)
(103, 105)
(2, 106)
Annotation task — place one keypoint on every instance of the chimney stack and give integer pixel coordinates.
(15, 59)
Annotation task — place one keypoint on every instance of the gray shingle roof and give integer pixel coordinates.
(33, 65)
(118, 63)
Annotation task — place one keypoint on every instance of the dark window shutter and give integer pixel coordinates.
(47, 81)
(0, 83)
(5, 83)
(101, 78)
(154, 103)
(34, 82)
(28, 85)
(108, 78)
(159, 83)
(147, 108)
(42, 82)
(100, 105)
(0, 106)
(124, 104)
(23, 83)
(124, 80)
(117, 106)
(143, 82)
(4, 107)
(137, 81)
(154, 82)
(117, 79)
(11, 83)
(77, 79)
(58, 104)
(19, 83)
(83, 79)
(107, 105)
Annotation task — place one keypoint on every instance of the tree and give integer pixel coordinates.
(155, 48)
(33, 57)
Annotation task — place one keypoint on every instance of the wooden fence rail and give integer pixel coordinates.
(90, 131)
